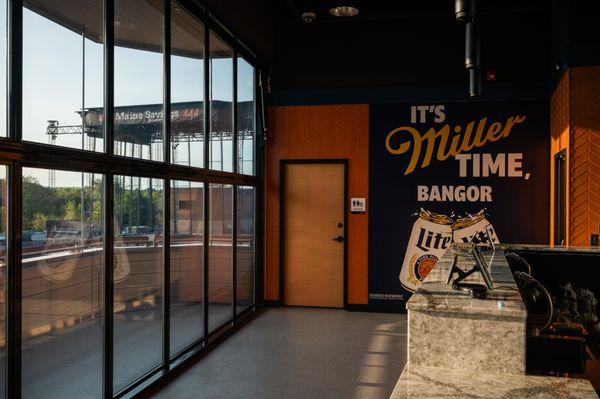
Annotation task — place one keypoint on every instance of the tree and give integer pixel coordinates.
(72, 211)
(36, 199)
(38, 221)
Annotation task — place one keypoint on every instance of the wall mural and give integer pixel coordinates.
(443, 173)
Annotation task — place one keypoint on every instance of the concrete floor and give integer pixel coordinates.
(302, 353)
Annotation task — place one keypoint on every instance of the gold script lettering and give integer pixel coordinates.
(461, 142)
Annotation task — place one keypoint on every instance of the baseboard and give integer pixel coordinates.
(273, 303)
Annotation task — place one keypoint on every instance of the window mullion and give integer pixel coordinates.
(108, 284)
(167, 184)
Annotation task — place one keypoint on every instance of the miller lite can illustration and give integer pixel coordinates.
(431, 235)
(474, 228)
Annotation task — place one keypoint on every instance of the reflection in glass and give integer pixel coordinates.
(220, 290)
(245, 247)
(187, 263)
(221, 110)
(63, 73)
(138, 276)
(3, 228)
(246, 117)
(3, 66)
(187, 88)
(62, 265)
(139, 79)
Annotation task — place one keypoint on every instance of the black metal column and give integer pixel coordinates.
(167, 185)
(260, 141)
(15, 67)
(108, 200)
(167, 275)
(13, 280)
(13, 241)
(234, 188)
(206, 110)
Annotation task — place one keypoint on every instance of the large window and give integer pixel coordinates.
(138, 277)
(3, 216)
(220, 289)
(187, 263)
(62, 102)
(221, 105)
(138, 93)
(61, 268)
(246, 117)
(245, 247)
(187, 88)
(127, 236)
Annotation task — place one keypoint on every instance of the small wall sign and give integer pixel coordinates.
(358, 205)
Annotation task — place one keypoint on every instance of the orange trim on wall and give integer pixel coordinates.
(319, 132)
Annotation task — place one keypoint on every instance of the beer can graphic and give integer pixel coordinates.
(474, 228)
(431, 235)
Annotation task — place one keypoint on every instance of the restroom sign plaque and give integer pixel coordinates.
(358, 205)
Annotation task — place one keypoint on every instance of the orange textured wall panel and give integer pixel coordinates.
(319, 132)
(584, 141)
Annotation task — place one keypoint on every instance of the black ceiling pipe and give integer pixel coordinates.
(474, 82)
(470, 45)
(464, 10)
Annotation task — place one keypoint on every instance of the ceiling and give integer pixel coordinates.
(138, 24)
(402, 43)
(404, 9)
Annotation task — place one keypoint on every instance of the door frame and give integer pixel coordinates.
(282, 166)
(560, 197)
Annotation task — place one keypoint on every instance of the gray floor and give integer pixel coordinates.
(302, 353)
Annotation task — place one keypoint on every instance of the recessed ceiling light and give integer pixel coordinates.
(344, 8)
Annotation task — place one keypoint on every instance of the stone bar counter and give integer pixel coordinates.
(459, 346)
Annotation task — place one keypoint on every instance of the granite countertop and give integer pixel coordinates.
(550, 248)
(435, 295)
(421, 382)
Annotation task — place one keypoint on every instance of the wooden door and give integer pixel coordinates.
(314, 234)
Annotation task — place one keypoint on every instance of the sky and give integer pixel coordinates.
(53, 83)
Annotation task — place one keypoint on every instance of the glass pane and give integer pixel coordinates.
(221, 110)
(245, 247)
(63, 73)
(220, 289)
(138, 277)
(246, 117)
(187, 263)
(62, 266)
(3, 66)
(139, 79)
(187, 88)
(3, 215)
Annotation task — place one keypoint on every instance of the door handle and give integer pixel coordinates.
(339, 239)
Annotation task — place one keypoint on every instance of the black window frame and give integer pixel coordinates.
(18, 154)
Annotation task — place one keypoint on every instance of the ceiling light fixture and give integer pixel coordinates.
(343, 8)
